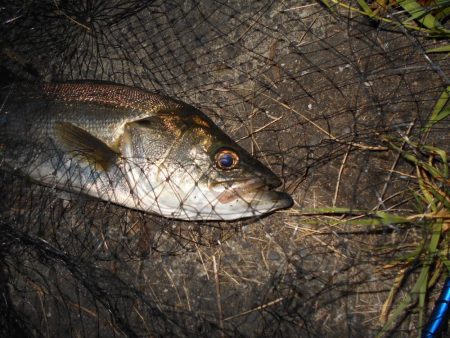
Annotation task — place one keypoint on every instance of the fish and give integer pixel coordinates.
(134, 148)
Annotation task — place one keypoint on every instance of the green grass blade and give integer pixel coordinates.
(422, 296)
(375, 222)
(439, 113)
(442, 10)
(443, 199)
(332, 210)
(419, 291)
(441, 49)
(410, 257)
(436, 274)
(432, 253)
(443, 256)
(391, 218)
(419, 14)
(331, 7)
(421, 204)
(409, 300)
(365, 7)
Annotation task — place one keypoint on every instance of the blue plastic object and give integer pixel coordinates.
(440, 314)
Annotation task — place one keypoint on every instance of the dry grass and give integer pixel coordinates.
(345, 113)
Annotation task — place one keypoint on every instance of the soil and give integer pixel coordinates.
(309, 92)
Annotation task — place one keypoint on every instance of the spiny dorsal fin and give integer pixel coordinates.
(112, 95)
(82, 144)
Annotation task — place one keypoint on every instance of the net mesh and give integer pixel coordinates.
(306, 90)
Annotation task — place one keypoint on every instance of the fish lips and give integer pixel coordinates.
(280, 199)
(259, 191)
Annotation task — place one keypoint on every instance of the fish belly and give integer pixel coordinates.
(49, 166)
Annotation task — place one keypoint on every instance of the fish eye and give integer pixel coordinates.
(226, 159)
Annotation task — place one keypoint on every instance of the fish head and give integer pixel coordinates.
(188, 168)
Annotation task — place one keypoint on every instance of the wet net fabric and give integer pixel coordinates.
(307, 91)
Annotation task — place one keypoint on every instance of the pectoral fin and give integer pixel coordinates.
(82, 144)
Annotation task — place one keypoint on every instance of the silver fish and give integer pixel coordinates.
(133, 148)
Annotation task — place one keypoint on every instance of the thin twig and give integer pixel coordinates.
(61, 12)
(264, 260)
(261, 307)
(394, 165)
(173, 284)
(341, 169)
(94, 314)
(143, 320)
(388, 303)
(298, 7)
(201, 257)
(218, 298)
(231, 277)
(336, 251)
(186, 292)
(260, 128)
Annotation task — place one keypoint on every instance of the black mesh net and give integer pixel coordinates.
(311, 92)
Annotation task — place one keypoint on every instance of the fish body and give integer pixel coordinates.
(134, 148)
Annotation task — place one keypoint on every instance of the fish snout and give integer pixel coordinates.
(274, 199)
(282, 200)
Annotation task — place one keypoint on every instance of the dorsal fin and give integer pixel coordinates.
(110, 94)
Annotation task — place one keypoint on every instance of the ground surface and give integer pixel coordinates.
(309, 93)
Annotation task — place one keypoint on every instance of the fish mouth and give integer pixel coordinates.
(281, 200)
(257, 192)
(250, 184)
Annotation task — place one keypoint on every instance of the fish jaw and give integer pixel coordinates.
(251, 198)
(257, 204)
(210, 209)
